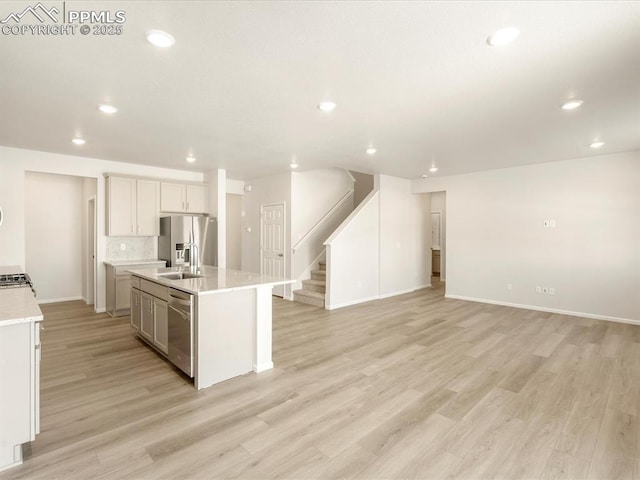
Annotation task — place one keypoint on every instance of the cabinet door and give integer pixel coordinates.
(148, 207)
(123, 285)
(172, 197)
(196, 199)
(121, 206)
(161, 327)
(146, 316)
(136, 309)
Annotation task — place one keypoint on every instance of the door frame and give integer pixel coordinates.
(278, 290)
(92, 250)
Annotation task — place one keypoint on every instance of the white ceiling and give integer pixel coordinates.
(416, 80)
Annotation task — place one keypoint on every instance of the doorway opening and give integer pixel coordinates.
(438, 239)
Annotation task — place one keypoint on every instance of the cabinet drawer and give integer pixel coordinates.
(154, 289)
(135, 282)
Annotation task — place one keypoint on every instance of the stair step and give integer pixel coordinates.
(319, 275)
(322, 265)
(315, 285)
(309, 297)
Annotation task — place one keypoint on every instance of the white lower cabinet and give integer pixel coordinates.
(150, 313)
(19, 390)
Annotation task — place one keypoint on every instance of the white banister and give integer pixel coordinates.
(322, 220)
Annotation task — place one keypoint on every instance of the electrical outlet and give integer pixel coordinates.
(545, 290)
(509, 286)
(552, 291)
(123, 246)
(552, 223)
(545, 223)
(538, 289)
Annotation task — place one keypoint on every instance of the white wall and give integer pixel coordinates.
(264, 191)
(370, 257)
(353, 267)
(53, 235)
(13, 165)
(217, 197)
(439, 204)
(315, 194)
(234, 231)
(399, 260)
(495, 235)
(89, 189)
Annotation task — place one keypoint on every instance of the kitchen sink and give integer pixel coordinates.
(179, 275)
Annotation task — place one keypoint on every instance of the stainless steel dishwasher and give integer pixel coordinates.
(181, 330)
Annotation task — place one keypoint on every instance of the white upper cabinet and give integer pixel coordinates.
(121, 206)
(132, 206)
(184, 198)
(148, 203)
(197, 199)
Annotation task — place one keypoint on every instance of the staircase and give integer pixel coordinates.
(313, 290)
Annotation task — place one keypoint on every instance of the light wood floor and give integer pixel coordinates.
(414, 386)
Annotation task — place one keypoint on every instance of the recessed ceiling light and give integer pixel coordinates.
(109, 109)
(371, 151)
(572, 104)
(79, 141)
(503, 36)
(433, 169)
(191, 159)
(597, 144)
(424, 175)
(327, 106)
(294, 165)
(160, 39)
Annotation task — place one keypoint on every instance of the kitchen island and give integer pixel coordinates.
(20, 319)
(231, 319)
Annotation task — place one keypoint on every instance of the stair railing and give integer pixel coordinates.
(322, 220)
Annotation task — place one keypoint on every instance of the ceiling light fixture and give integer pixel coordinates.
(191, 159)
(294, 165)
(424, 175)
(371, 151)
(327, 106)
(596, 144)
(108, 109)
(572, 104)
(79, 141)
(503, 36)
(433, 169)
(160, 39)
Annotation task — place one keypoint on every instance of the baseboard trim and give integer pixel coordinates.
(351, 302)
(56, 300)
(545, 309)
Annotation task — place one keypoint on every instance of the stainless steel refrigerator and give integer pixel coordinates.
(178, 231)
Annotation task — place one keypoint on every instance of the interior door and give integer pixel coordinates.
(273, 243)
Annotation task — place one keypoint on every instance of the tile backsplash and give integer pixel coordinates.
(136, 248)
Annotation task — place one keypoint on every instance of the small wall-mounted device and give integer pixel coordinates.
(1, 216)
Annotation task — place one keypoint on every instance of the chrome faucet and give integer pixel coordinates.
(193, 259)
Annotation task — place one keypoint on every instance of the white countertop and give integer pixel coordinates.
(120, 263)
(18, 305)
(214, 280)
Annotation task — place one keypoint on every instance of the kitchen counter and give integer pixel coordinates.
(214, 280)
(124, 263)
(18, 305)
(231, 320)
